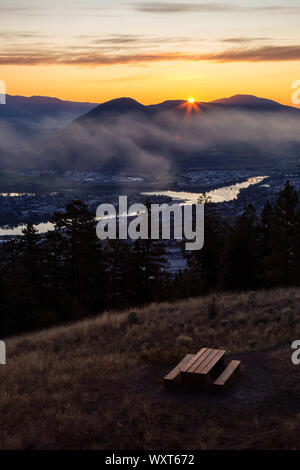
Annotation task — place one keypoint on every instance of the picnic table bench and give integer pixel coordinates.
(227, 373)
(207, 366)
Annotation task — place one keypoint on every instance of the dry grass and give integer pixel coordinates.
(96, 383)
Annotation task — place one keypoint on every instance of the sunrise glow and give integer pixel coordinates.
(103, 53)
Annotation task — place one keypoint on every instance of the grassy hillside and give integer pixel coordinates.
(97, 384)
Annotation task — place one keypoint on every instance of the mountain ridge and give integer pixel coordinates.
(35, 108)
(125, 105)
(123, 134)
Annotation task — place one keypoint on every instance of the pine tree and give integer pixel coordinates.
(84, 263)
(30, 248)
(264, 233)
(148, 273)
(121, 285)
(205, 264)
(23, 280)
(283, 261)
(53, 261)
(77, 227)
(240, 266)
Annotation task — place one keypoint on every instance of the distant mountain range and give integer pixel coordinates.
(123, 106)
(37, 108)
(123, 134)
(40, 108)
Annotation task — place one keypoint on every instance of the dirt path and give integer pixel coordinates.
(267, 379)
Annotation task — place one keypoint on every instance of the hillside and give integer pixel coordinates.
(97, 384)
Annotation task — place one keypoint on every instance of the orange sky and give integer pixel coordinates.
(152, 83)
(150, 51)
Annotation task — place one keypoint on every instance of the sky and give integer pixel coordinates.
(96, 50)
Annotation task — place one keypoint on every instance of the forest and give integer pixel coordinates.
(69, 274)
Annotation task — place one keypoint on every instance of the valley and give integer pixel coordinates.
(35, 195)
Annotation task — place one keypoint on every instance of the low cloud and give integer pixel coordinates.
(258, 54)
(11, 35)
(207, 7)
(92, 58)
(89, 59)
(183, 7)
(155, 143)
(243, 40)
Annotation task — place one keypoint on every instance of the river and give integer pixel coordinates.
(225, 194)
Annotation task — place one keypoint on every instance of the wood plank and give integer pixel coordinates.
(208, 367)
(227, 373)
(193, 360)
(207, 361)
(171, 376)
(209, 353)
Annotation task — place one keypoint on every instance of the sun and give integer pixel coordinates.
(190, 106)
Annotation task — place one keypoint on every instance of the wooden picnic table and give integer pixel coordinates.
(206, 366)
(203, 362)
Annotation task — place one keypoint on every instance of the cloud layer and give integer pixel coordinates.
(163, 142)
(183, 7)
(206, 7)
(92, 57)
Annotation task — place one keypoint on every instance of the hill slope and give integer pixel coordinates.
(98, 383)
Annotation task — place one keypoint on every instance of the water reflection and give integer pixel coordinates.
(225, 194)
(41, 228)
(17, 194)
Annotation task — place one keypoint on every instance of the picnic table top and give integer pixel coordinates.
(203, 362)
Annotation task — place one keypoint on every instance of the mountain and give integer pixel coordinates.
(116, 107)
(37, 108)
(122, 134)
(238, 102)
(251, 103)
(128, 106)
(32, 110)
(27, 122)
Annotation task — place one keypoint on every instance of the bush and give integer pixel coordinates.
(132, 318)
(212, 308)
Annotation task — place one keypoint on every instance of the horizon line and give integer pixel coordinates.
(151, 104)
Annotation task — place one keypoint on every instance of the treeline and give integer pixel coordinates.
(69, 273)
(257, 251)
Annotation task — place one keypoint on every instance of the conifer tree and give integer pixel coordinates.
(283, 266)
(240, 266)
